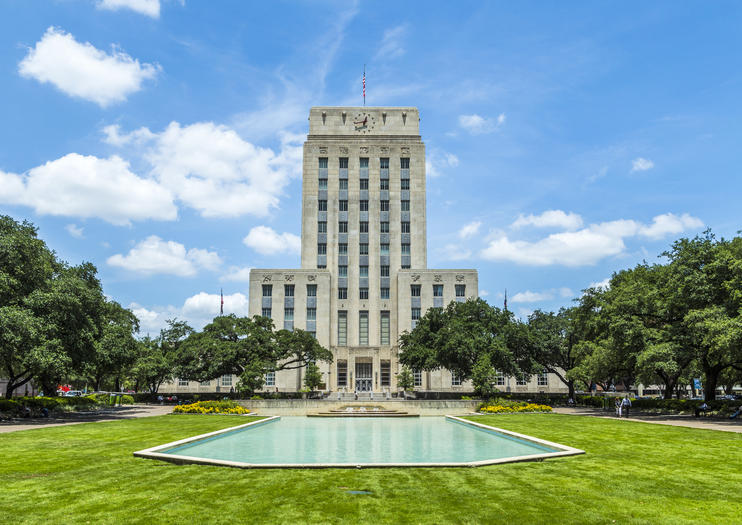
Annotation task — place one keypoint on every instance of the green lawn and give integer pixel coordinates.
(632, 473)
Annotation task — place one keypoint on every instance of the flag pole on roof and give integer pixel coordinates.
(221, 307)
(364, 85)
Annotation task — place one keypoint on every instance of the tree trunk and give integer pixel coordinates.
(669, 387)
(711, 379)
(571, 386)
(117, 387)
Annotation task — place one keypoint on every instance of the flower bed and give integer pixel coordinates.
(211, 407)
(512, 408)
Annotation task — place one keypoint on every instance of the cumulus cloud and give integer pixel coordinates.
(456, 252)
(548, 219)
(145, 7)
(438, 161)
(641, 164)
(391, 43)
(604, 284)
(477, 125)
(585, 246)
(197, 310)
(267, 241)
(87, 186)
(469, 230)
(530, 297)
(82, 70)
(238, 274)
(74, 230)
(155, 256)
(483, 293)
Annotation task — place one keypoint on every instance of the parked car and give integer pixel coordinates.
(73, 393)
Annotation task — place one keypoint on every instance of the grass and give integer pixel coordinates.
(632, 473)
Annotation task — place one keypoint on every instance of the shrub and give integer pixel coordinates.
(515, 407)
(211, 407)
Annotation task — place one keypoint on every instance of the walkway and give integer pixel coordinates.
(77, 418)
(725, 425)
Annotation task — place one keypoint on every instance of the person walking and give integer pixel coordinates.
(626, 405)
(618, 407)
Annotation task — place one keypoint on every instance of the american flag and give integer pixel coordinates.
(364, 84)
(221, 308)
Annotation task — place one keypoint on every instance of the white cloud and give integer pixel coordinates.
(586, 246)
(483, 293)
(155, 256)
(605, 284)
(438, 161)
(238, 274)
(74, 230)
(531, 297)
(470, 229)
(144, 7)
(391, 45)
(456, 252)
(87, 186)
(267, 241)
(548, 219)
(477, 125)
(565, 292)
(641, 164)
(81, 70)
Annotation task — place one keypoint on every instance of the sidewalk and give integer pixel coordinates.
(77, 418)
(680, 420)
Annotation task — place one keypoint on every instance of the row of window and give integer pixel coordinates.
(362, 205)
(384, 328)
(362, 248)
(362, 226)
(226, 380)
(416, 289)
(288, 290)
(288, 313)
(404, 184)
(404, 163)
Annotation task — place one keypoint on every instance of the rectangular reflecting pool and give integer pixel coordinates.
(358, 442)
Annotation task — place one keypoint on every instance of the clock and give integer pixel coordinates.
(364, 122)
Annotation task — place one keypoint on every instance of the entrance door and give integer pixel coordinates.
(364, 377)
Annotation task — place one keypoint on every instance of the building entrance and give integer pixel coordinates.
(364, 377)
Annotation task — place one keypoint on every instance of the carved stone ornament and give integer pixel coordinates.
(289, 277)
(364, 150)
(266, 278)
(405, 150)
(343, 150)
(460, 278)
(323, 150)
(437, 278)
(384, 150)
(415, 277)
(311, 277)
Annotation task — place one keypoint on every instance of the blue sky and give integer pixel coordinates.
(161, 139)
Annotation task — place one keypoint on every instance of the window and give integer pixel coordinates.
(322, 205)
(384, 205)
(363, 293)
(405, 266)
(404, 163)
(182, 382)
(364, 184)
(384, 227)
(363, 162)
(363, 248)
(405, 248)
(405, 227)
(384, 293)
(343, 205)
(363, 271)
(342, 293)
(384, 325)
(322, 184)
(343, 163)
(313, 334)
(522, 382)
(384, 184)
(227, 380)
(405, 184)
(311, 290)
(321, 266)
(343, 248)
(415, 290)
(323, 163)
(270, 379)
(343, 184)
(384, 163)
(364, 226)
(342, 328)
(322, 227)
(343, 227)
(460, 290)
(363, 328)
(437, 290)
(342, 373)
(266, 312)
(543, 378)
(455, 379)
(288, 314)
(417, 377)
(343, 270)
(288, 290)
(322, 248)
(385, 270)
(267, 290)
(386, 373)
(311, 314)
(405, 205)
(415, 314)
(384, 248)
(363, 205)
(499, 378)
(205, 383)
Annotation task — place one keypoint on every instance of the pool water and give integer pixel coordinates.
(307, 440)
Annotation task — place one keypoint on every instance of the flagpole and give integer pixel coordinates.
(221, 306)
(364, 85)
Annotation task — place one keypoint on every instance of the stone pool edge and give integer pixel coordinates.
(155, 452)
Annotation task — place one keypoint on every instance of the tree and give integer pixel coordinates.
(117, 350)
(484, 377)
(405, 380)
(312, 377)
(156, 361)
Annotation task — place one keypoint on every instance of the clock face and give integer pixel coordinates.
(364, 122)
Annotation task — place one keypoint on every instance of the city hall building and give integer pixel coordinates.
(364, 277)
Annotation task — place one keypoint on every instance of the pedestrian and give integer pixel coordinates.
(618, 407)
(160, 399)
(626, 405)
